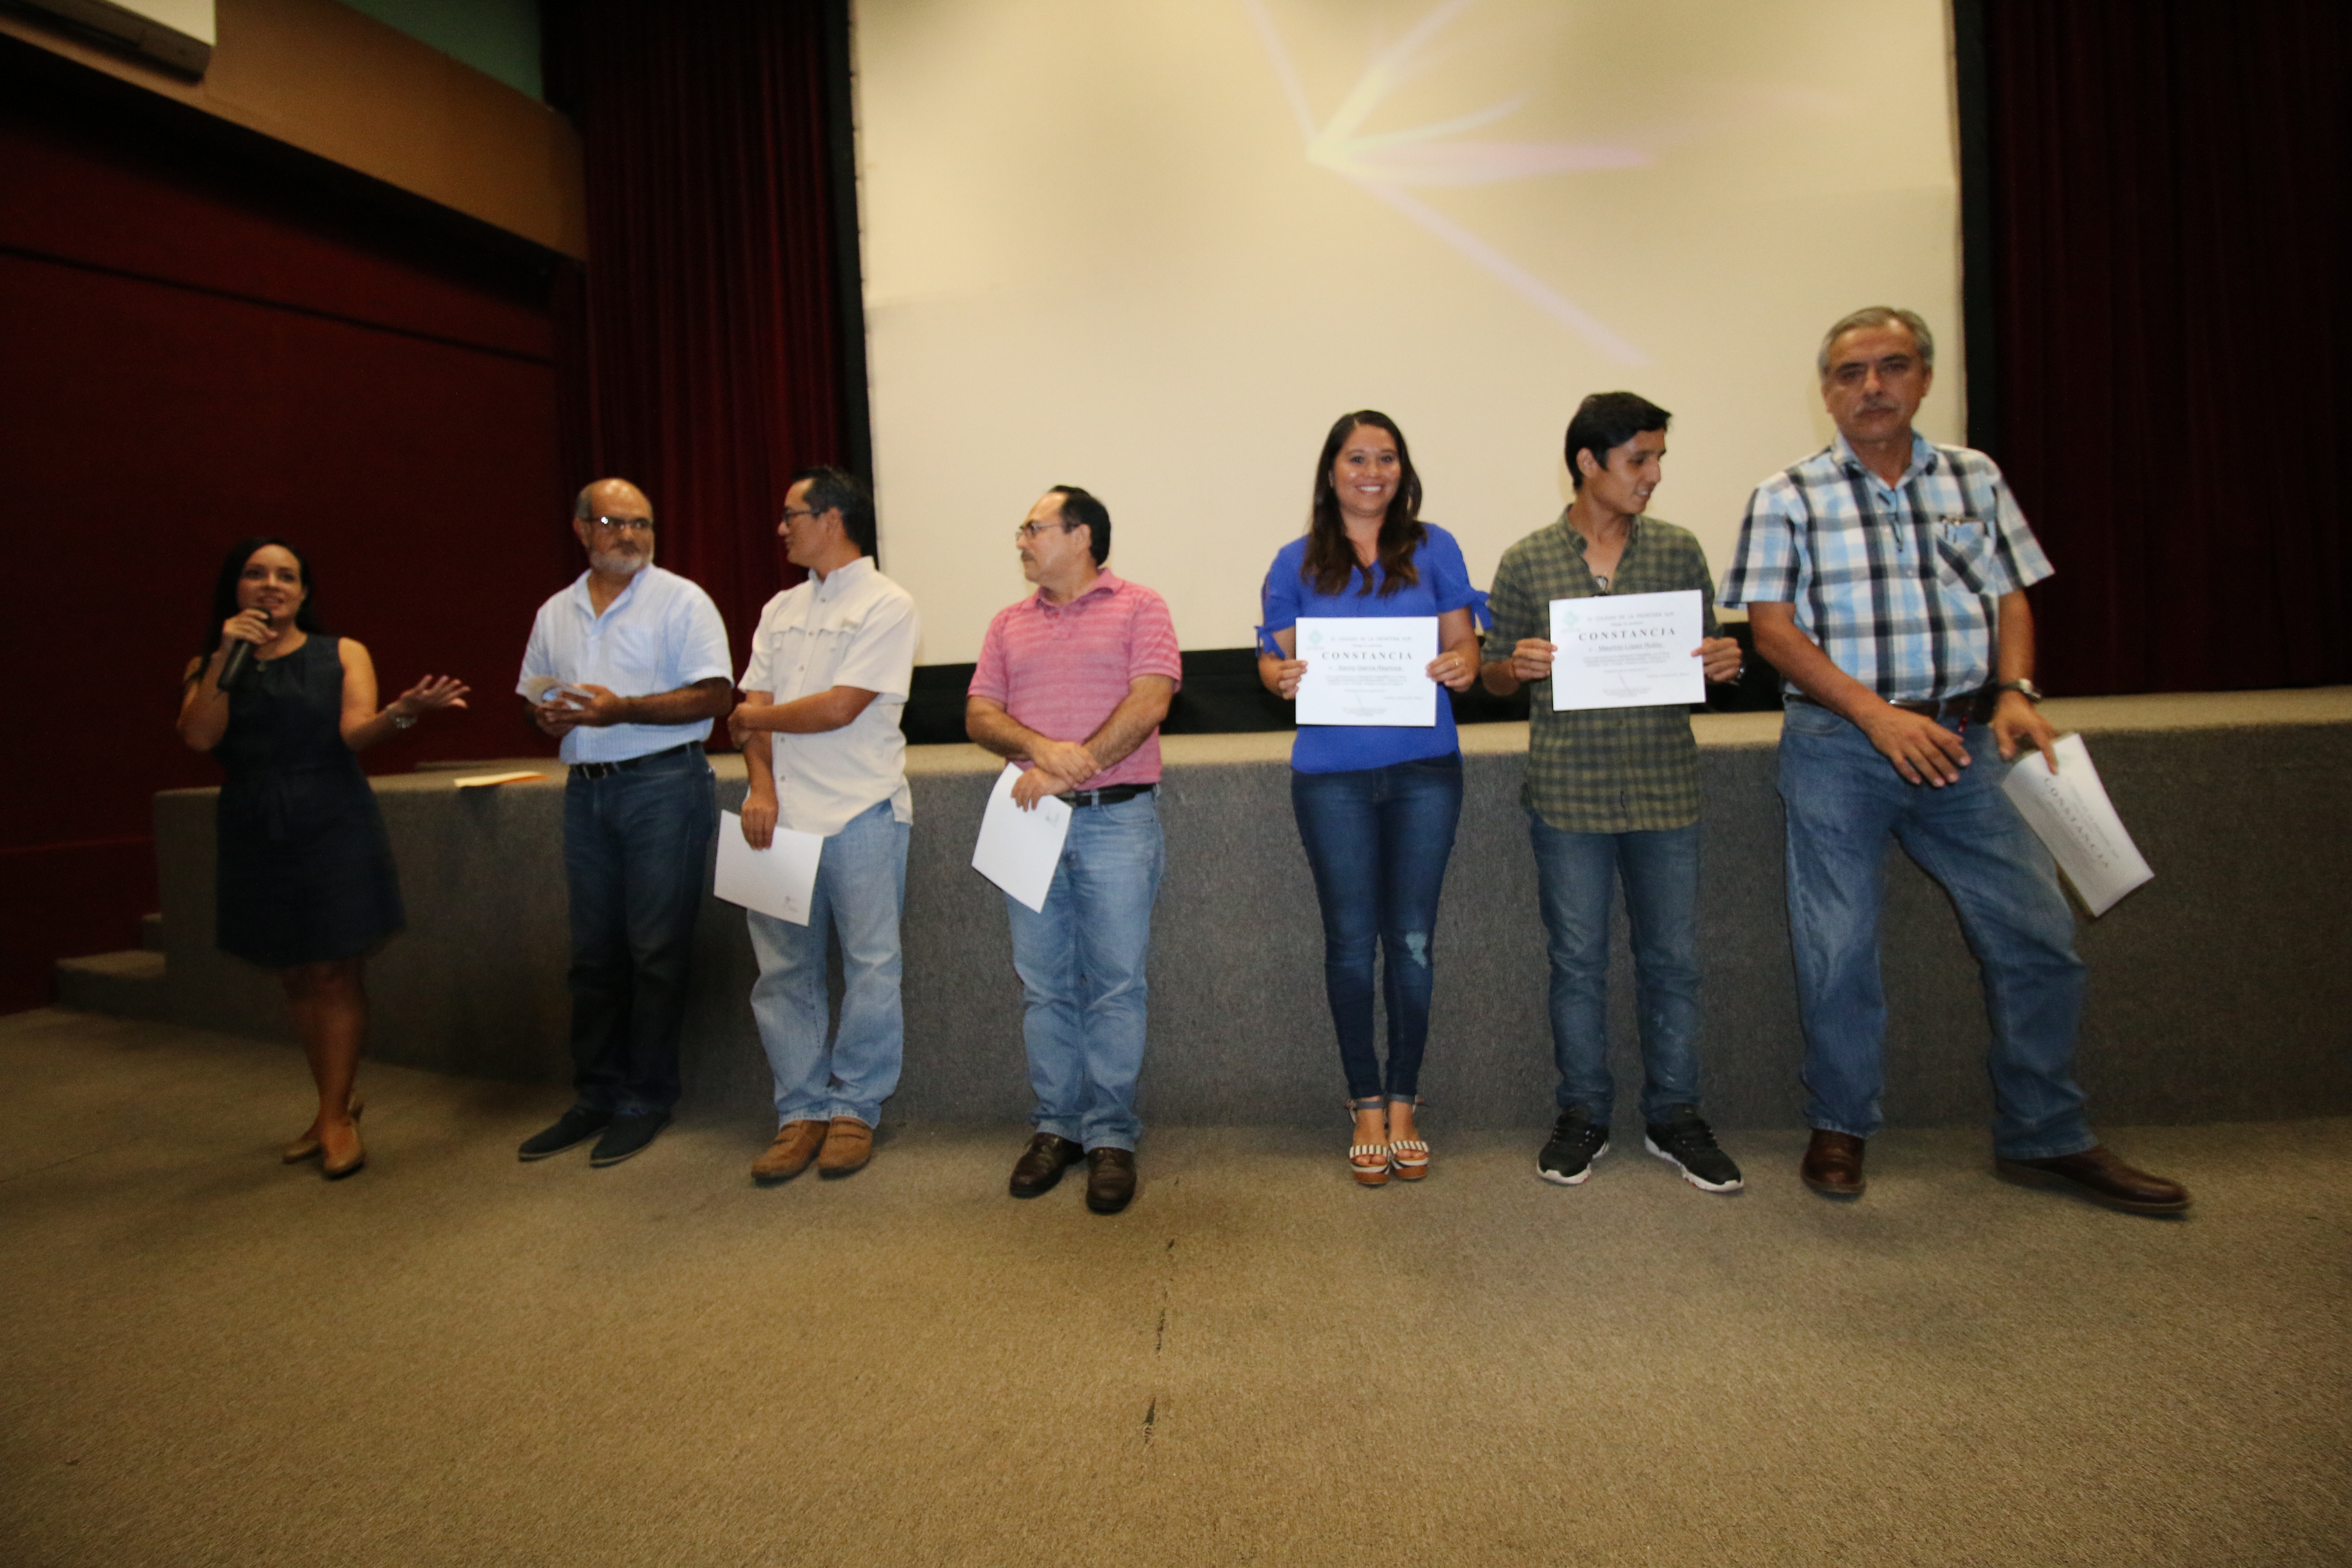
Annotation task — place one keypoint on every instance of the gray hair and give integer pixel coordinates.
(1878, 316)
(581, 509)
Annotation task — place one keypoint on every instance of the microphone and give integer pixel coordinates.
(239, 659)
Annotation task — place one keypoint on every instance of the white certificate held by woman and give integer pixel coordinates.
(1369, 669)
(1627, 650)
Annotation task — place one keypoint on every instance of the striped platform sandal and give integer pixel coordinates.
(1368, 1163)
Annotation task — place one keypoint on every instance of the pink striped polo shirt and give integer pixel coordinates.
(1061, 669)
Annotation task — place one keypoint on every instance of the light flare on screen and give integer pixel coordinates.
(1154, 249)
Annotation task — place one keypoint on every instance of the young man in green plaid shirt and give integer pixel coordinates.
(1612, 794)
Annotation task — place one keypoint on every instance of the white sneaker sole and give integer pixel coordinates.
(1733, 1185)
(1577, 1180)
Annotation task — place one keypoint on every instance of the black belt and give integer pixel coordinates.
(1972, 707)
(599, 770)
(1110, 796)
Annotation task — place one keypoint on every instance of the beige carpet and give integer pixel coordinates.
(457, 1358)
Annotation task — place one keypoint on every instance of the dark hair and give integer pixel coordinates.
(1606, 421)
(837, 490)
(1080, 507)
(1330, 560)
(232, 568)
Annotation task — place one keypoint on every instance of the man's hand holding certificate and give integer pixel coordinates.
(1372, 669)
(1628, 650)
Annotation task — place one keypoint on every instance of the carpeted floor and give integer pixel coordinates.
(453, 1357)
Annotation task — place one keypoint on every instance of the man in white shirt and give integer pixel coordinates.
(828, 674)
(627, 668)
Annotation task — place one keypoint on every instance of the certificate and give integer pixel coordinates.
(779, 881)
(2069, 812)
(1019, 849)
(1369, 669)
(1627, 650)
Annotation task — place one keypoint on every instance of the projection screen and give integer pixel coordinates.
(1154, 248)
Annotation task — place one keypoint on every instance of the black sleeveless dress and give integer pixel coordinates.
(305, 873)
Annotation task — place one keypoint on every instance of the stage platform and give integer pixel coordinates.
(2219, 991)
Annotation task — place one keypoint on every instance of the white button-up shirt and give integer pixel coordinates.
(855, 628)
(661, 634)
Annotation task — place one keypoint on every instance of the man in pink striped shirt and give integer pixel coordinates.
(1072, 684)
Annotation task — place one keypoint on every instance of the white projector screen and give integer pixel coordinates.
(1155, 249)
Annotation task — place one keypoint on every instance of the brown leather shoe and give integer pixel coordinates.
(848, 1144)
(1832, 1164)
(2099, 1176)
(796, 1144)
(1042, 1164)
(1110, 1179)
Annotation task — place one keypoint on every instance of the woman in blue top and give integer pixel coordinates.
(1376, 804)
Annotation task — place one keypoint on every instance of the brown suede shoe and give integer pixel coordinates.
(2101, 1177)
(1110, 1179)
(848, 1144)
(796, 1144)
(1042, 1164)
(1832, 1164)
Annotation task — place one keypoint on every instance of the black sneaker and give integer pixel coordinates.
(1576, 1142)
(626, 1136)
(574, 1126)
(1688, 1143)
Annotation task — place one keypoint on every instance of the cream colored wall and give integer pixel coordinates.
(323, 77)
(1103, 247)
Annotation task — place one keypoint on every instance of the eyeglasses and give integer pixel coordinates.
(1029, 530)
(623, 524)
(792, 511)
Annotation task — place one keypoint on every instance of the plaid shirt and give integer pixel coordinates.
(1899, 583)
(1600, 770)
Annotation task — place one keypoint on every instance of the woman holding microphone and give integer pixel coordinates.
(305, 884)
(1376, 803)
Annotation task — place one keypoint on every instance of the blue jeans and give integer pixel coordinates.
(1844, 799)
(1081, 965)
(861, 884)
(1378, 840)
(636, 854)
(1575, 874)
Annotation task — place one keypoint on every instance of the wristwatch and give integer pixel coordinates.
(2023, 688)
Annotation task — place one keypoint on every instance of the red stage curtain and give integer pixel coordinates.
(203, 343)
(709, 369)
(2170, 182)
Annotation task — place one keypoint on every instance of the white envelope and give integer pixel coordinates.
(779, 881)
(1019, 849)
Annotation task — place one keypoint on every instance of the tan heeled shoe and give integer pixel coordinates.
(307, 1146)
(336, 1170)
(1368, 1163)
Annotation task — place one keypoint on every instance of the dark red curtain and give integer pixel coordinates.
(2171, 183)
(201, 339)
(705, 366)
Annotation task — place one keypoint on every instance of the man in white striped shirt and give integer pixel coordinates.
(1886, 579)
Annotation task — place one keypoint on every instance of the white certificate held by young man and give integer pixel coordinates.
(1627, 650)
(1372, 669)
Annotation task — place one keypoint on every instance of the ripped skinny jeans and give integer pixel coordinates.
(1378, 840)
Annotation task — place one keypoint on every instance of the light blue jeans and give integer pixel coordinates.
(861, 883)
(1844, 799)
(1081, 964)
(1576, 875)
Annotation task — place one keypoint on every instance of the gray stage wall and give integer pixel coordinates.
(2219, 991)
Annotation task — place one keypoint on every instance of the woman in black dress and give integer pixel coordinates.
(306, 882)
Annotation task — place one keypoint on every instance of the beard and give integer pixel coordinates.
(619, 564)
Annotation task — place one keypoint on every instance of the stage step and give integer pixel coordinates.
(150, 933)
(127, 984)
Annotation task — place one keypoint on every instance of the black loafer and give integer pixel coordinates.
(574, 1126)
(1110, 1179)
(1042, 1164)
(627, 1137)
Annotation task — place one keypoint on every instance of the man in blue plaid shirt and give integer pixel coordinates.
(1885, 577)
